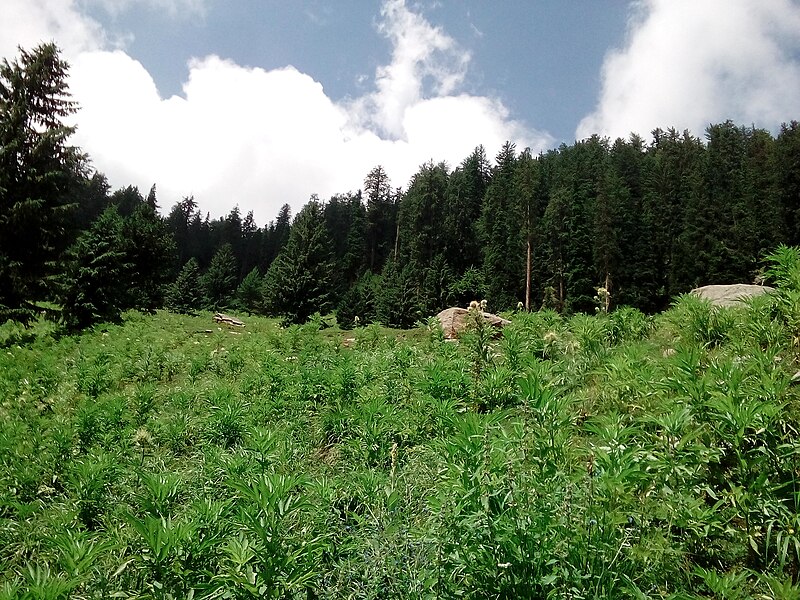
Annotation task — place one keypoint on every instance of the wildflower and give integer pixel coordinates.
(356, 320)
(142, 438)
(483, 304)
(473, 305)
(520, 306)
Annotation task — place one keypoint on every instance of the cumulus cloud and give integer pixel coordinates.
(27, 23)
(261, 138)
(687, 64)
(420, 52)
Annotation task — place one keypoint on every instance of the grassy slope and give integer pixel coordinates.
(588, 457)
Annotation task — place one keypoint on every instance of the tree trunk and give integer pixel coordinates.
(528, 277)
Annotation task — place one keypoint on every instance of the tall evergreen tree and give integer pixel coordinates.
(219, 281)
(185, 294)
(465, 191)
(672, 172)
(249, 295)
(275, 237)
(151, 252)
(531, 206)
(299, 281)
(94, 285)
(503, 256)
(38, 173)
(787, 178)
(179, 221)
(381, 218)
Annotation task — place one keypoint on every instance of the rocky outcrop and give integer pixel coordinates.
(454, 321)
(730, 295)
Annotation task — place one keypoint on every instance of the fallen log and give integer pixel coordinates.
(228, 320)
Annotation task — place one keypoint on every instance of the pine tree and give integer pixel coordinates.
(249, 295)
(38, 173)
(398, 304)
(219, 281)
(531, 207)
(150, 249)
(787, 178)
(359, 304)
(185, 295)
(94, 286)
(500, 235)
(465, 191)
(299, 281)
(381, 218)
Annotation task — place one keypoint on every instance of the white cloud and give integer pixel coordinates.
(259, 138)
(174, 8)
(420, 52)
(688, 63)
(28, 23)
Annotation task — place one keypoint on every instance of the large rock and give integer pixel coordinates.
(730, 295)
(454, 321)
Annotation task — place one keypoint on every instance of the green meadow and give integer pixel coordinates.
(607, 456)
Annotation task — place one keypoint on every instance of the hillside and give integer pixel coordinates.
(607, 456)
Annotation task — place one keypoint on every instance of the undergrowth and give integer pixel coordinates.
(607, 456)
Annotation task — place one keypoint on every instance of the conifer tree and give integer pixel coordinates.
(38, 172)
(500, 235)
(150, 249)
(249, 295)
(185, 294)
(219, 281)
(359, 304)
(94, 286)
(381, 218)
(465, 191)
(299, 281)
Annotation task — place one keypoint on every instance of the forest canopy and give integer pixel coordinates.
(646, 220)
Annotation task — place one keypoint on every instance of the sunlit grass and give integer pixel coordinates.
(604, 456)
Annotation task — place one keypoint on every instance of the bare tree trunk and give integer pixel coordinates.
(528, 278)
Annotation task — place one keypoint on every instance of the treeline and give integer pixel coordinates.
(644, 220)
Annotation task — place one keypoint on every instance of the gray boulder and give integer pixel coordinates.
(730, 295)
(454, 321)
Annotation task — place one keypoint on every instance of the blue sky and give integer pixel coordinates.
(258, 103)
(542, 58)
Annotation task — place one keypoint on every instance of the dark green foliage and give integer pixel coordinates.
(346, 224)
(503, 248)
(94, 286)
(398, 304)
(298, 283)
(459, 224)
(117, 264)
(787, 178)
(361, 301)
(471, 286)
(38, 172)
(249, 294)
(150, 251)
(381, 218)
(219, 281)
(185, 294)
